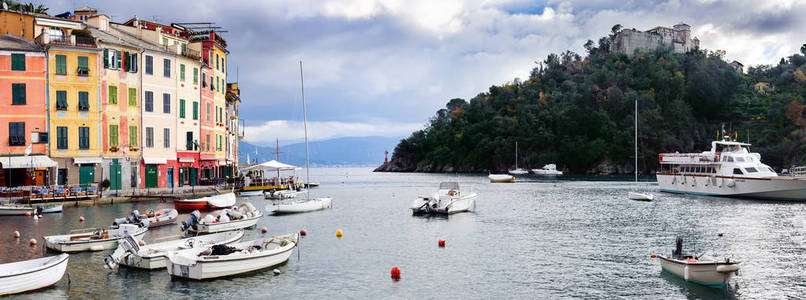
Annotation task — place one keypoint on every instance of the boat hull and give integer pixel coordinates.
(209, 267)
(190, 205)
(86, 245)
(15, 210)
(501, 178)
(158, 258)
(774, 188)
(54, 208)
(463, 204)
(47, 271)
(227, 226)
(704, 273)
(252, 193)
(303, 206)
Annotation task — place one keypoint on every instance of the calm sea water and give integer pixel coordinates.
(531, 239)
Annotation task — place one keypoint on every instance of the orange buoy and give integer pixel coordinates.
(338, 233)
(32, 242)
(264, 229)
(395, 273)
(28, 214)
(653, 255)
(441, 243)
(16, 234)
(303, 232)
(81, 218)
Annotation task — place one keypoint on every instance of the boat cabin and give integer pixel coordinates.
(726, 159)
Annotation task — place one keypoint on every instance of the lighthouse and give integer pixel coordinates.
(385, 156)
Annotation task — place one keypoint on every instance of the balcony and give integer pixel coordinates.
(190, 53)
(80, 41)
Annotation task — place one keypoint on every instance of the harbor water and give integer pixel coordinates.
(536, 238)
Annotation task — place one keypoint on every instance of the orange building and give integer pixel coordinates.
(23, 121)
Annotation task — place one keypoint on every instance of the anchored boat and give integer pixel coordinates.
(302, 206)
(222, 260)
(29, 275)
(92, 239)
(153, 256)
(704, 270)
(210, 202)
(548, 170)
(728, 169)
(245, 216)
(150, 218)
(448, 200)
(494, 178)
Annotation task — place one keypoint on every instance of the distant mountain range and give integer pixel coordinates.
(346, 151)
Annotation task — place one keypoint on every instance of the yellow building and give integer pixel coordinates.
(73, 104)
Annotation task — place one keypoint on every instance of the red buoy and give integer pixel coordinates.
(653, 255)
(81, 218)
(395, 273)
(16, 234)
(28, 214)
(264, 229)
(32, 242)
(441, 243)
(303, 232)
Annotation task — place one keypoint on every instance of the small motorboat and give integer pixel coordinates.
(303, 205)
(641, 196)
(252, 193)
(50, 208)
(150, 219)
(92, 239)
(15, 210)
(311, 185)
(548, 170)
(699, 269)
(245, 216)
(153, 256)
(448, 200)
(210, 202)
(280, 194)
(223, 260)
(33, 274)
(501, 178)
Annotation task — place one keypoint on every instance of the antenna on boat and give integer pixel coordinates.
(305, 125)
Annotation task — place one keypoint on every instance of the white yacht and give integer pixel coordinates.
(550, 169)
(729, 169)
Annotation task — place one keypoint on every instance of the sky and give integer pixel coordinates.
(383, 67)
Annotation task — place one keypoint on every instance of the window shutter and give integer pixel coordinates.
(117, 59)
(106, 58)
(125, 65)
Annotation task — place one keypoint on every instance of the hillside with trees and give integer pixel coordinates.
(578, 112)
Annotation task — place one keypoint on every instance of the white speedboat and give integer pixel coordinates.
(641, 196)
(92, 239)
(448, 200)
(548, 170)
(29, 275)
(222, 260)
(303, 205)
(153, 256)
(245, 216)
(50, 208)
(501, 178)
(703, 270)
(281, 194)
(151, 218)
(252, 193)
(728, 169)
(15, 210)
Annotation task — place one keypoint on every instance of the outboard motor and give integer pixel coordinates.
(678, 247)
(126, 244)
(119, 221)
(195, 217)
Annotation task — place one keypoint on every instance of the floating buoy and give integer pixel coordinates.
(39, 216)
(441, 243)
(276, 272)
(28, 214)
(653, 255)
(303, 232)
(32, 242)
(81, 218)
(264, 229)
(141, 243)
(395, 273)
(338, 233)
(16, 234)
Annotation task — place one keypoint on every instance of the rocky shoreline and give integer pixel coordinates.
(399, 165)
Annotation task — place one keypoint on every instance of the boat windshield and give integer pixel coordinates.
(449, 185)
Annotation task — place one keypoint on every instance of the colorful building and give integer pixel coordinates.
(234, 133)
(73, 99)
(189, 122)
(23, 121)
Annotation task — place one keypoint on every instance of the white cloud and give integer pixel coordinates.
(286, 131)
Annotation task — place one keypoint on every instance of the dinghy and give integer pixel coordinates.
(301, 206)
(29, 275)
(448, 200)
(15, 210)
(153, 256)
(149, 219)
(703, 270)
(92, 239)
(222, 260)
(641, 196)
(223, 220)
(494, 178)
(281, 194)
(50, 208)
(210, 202)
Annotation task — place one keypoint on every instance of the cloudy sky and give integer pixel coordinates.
(383, 67)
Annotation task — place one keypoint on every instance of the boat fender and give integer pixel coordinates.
(686, 274)
(727, 268)
(731, 183)
(223, 218)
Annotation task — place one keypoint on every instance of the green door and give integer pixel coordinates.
(193, 176)
(86, 174)
(151, 177)
(115, 175)
(182, 176)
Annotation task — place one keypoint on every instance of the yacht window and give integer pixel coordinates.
(729, 158)
(740, 159)
(713, 170)
(737, 171)
(771, 170)
(751, 170)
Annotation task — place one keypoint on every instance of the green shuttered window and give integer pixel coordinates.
(132, 136)
(83, 138)
(182, 108)
(18, 93)
(61, 100)
(195, 110)
(18, 62)
(182, 72)
(83, 101)
(195, 76)
(132, 97)
(61, 64)
(113, 135)
(113, 94)
(61, 137)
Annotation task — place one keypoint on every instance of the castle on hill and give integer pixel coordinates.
(678, 39)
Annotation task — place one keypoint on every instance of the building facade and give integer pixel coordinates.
(678, 39)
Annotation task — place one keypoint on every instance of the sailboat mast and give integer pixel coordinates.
(636, 140)
(305, 125)
(516, 155)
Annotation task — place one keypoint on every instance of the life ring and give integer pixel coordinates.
(67, 193)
